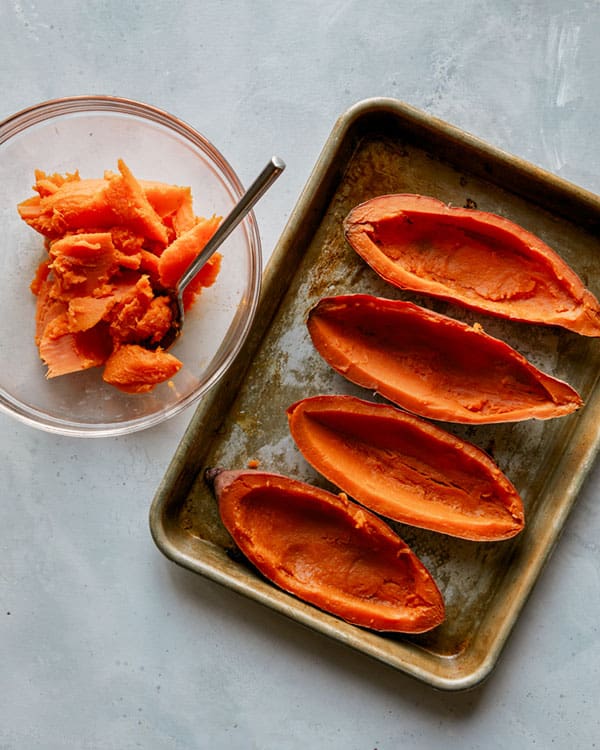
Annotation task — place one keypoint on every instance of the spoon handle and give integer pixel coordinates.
(258, 188)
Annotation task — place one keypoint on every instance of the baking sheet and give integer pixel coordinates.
(384, 146)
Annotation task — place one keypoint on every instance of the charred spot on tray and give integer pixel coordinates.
(490, 447)
(470, 203)
(236, 555)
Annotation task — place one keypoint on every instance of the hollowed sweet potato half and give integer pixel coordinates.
(405, 468)
(471, 257)
(328, 551)
(433, 365)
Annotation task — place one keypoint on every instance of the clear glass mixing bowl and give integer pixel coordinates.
(89, 134)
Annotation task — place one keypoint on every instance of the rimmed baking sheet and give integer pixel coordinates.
(384, 146)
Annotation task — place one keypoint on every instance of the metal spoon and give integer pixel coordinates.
(258, 188)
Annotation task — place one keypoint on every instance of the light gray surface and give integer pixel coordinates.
(104, 643)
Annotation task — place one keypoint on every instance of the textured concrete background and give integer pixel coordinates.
(105, 644)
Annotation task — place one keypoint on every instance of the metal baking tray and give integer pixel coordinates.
(384, 146)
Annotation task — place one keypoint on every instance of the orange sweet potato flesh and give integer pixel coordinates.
(114, 201)
(134, 369)
(405, 468)
(328, 551)
(175, 260)
(433, 365)
(474, 258)
(114, 245)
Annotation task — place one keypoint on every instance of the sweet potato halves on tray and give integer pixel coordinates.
(328, 551)
(471, 257)
(431, 364)
(405, 468)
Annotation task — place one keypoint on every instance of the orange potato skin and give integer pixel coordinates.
(431, 364)
(328, 551)
(405, 468)
(471, 257)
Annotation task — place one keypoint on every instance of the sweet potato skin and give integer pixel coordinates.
(471, 257)
(431, 364)
(406, 469)
(328, 551)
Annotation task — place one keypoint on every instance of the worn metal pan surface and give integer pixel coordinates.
(384, 146)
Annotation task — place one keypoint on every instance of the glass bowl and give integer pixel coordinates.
(89, 134)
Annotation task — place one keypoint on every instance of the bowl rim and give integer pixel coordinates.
(82, 103)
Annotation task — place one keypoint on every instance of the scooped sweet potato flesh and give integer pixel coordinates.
(471, 257)
(328, 551)
(405, 468)
(114, 246)
(433, 365)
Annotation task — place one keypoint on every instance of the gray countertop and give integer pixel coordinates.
(106, 644)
